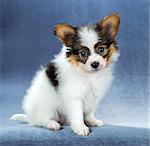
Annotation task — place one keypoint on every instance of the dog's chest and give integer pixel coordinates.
(98, 83)
(96, 88)
(92, 87)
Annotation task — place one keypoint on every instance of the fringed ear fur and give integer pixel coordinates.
(65, 33)
(110, 25)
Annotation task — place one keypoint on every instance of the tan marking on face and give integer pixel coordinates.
(73, 59)
(113, 50)
(76, 58)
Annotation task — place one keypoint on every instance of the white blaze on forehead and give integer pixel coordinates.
(88, 36)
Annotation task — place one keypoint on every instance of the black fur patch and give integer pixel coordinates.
(51, 72)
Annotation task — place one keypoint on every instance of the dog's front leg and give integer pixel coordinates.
(91, 120)
(75, 115)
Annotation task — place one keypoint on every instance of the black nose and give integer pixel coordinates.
(95, 64)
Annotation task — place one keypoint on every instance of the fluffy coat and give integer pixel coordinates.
(73, 96)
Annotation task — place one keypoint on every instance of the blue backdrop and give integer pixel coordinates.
(28, 41)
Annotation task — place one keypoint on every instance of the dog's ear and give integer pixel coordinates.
(65, 33)
(110, 25)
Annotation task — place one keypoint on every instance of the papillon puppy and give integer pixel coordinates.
(69, 88)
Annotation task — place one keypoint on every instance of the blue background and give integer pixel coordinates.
(28, 41)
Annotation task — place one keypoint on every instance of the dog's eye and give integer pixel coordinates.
(100, 50)
(83, 54)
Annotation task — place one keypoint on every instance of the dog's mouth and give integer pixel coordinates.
(93, 70)
(96, 70)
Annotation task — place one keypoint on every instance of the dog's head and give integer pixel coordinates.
(90, 47)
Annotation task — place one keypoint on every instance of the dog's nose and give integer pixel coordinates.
(95, 64)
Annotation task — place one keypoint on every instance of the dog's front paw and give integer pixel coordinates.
(53, 125)
(94, 122)
(81, 129)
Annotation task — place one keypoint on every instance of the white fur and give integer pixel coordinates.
(88, 36)
(76, 98)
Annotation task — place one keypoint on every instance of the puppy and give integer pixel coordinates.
(69, 88)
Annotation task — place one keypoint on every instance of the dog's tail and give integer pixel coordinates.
(19, 117)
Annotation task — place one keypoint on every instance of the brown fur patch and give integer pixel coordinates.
(73, 59)
(65, 33)
(113, 50)
(110, 25)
